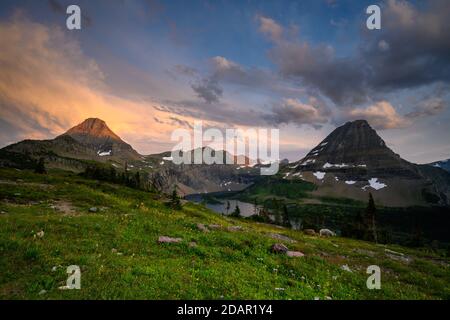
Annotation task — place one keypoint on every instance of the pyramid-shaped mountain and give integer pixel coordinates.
(90, 140)
(95, 134)
(354, 160)
(356, 146)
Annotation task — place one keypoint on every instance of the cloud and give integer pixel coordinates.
(428, 108)
(56, 6)
(411, 50)
(230, 72)
(270, 28)
(185, 70)
(340, 79)
(294, 111)
(208, 89)
(380, 115)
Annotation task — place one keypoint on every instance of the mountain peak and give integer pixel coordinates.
(93, 127)
(95, 133)
(352, 145)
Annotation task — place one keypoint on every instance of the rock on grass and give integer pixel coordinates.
(294, 254)
(202, 227)
(279, 248)
(164, 239)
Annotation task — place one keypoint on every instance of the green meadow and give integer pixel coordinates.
(111, 232)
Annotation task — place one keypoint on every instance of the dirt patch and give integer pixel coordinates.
(65, 207)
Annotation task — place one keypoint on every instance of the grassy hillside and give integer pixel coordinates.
(117, 250)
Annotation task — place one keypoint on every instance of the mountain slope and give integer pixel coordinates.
(354, 160)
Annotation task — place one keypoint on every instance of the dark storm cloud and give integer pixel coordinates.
(341, 79)
(225, 113)
(231, 72)
(411, 50)
(314, 113)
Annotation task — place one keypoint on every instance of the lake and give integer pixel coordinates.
(220, 206)
(247, 209)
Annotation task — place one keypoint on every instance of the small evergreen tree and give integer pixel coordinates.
(228, 206)
(237, 212)
(276, 212)
(286, 221)
(370, 220)
(40, 167)
(175, 202)
(137, 180)
(255, 207)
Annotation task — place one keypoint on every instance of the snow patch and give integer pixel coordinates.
(323, 144)
(319, 175)
(104, 153)
(161, 163)
(350, 182)
(375, 184)
(168, 158)
(331, 165)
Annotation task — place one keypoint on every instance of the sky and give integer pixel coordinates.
(148, 67)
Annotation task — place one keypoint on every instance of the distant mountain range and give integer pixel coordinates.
(350, 162)
(93, 140)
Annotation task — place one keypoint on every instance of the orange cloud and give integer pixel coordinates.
(47, 85)
(381, 115)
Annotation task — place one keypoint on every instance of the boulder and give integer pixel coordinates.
(279, 248)
(164, 239)
(202, 227)
(294, 254)
(93, 209)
